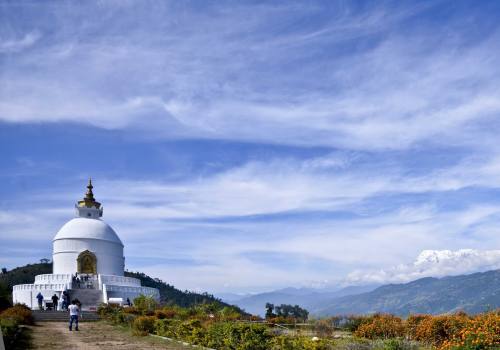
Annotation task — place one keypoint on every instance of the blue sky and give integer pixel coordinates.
(246, 146)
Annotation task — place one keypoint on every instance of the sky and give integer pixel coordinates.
(247, 146)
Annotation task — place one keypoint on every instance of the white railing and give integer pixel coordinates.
(119, 280)
(58, 278)
(137, 290)
(47, 286)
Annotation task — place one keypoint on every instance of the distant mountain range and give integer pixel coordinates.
(472, 293)
(309, 298)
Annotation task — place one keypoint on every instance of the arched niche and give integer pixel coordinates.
(87, 262)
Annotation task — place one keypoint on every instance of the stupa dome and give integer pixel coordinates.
(88, 228)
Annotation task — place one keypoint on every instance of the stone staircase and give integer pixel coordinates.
(62, 316)
(90, 298)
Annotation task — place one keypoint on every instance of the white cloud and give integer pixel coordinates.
(244, 82)
(432, 263)
(16, 45)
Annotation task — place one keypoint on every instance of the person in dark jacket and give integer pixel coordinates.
(39, 297)
(55, 299)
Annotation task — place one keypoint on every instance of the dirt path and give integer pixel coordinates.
(93, 335)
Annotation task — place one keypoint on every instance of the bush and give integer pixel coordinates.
(352, 323)
(106, 310)
(161, 314)
(10, 329)
(130, 310)
(237, 336)
(191, 331)
(434, 330)
(167, 327)
(284, 342)
(143, 325)
(412, 325)
(20, 313)
(397, 344)
(480, 332)
(381, 326)
(145, 305)
(323, 328)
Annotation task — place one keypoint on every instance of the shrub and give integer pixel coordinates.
(237, 336)
(106, 310)
(397, 344)
(161, 314)
(145, 305)
(323, 328)
(167, 327)
(229, 314)
(20, 313)
(480, 332)
(381, 326)
(143, 325)
(130, 310)
(352, 322)
(284, 342)
(412, 324)
(191, 331)
(10, 328)
(170, 312)
(434, 330)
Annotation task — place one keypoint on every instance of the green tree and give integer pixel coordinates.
(269, 311)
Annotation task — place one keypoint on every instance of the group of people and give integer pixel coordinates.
(73, 308)
(55, 300)
(83, 281)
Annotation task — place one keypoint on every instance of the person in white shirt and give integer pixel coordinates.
(74, 312)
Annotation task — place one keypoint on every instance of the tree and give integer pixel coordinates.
(285, 310)
(4, 270)
(269, 311)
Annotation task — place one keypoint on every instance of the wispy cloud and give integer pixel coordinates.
(15, 45)
(233, 76)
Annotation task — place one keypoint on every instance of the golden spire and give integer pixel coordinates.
(89, 200)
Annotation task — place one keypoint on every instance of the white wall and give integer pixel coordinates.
(26, 293)
(110, 259)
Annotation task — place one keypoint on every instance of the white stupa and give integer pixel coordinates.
(88, 262)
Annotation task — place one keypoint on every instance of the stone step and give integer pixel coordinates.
(89, 298)
(58, 316)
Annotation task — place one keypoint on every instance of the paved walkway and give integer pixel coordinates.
(93, 335)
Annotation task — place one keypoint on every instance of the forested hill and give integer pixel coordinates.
(168, 294)
(474, 293)
(172, 295)
(19, 275)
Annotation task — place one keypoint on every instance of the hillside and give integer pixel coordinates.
(171, 295)
(472, 293)
(308, 298)
(168, 294)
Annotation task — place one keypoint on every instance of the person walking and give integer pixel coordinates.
(65, 300)
(74, 313)
(40, 300)
(128, 302)
(55, 299)
(64, 303)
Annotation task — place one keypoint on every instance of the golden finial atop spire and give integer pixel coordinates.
(89, 195)
(89, 200)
